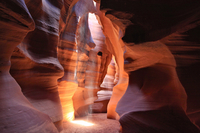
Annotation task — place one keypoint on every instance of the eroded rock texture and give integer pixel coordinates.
(157, 92)
(84, 65)
(34, 63)
(185, 48)
(116, 47)
(17, 113)
(104, 95)
(143, 24)
(90, 72)
(67, 55)
(75, 40)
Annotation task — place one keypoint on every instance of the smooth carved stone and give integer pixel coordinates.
(68, 52)
(109, 80)
(154, 86)
(17, 114)
(67, 55)
(83, 37)
(84, 45)
(116, 47)
(104, 95)
(95, 66)
(82, 98)
(118, 92)
(164, 120)
(73, 50)
(66, 91)
(153, 23)
(184, 45)
(100, 105)
(38, 78)
(99, 58)
(157, 85)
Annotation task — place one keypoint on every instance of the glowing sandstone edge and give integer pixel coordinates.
(116, 47)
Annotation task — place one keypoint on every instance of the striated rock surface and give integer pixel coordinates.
(104, 95)
(73, 51)
(157, 92)
(116, 47)
(84, 44)
(67, 55)
(99, 58)
(95, 68)
(17, 114)
(184, 45)
(109, 80)
(143, 24)
(153, 79)
(34, 63)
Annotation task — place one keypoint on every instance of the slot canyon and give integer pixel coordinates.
(99, 66)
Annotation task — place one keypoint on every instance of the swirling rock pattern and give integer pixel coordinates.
(142, 30)
(17, 114)
(67, 55)
(116, 47)
(104, 95)
(184, 45)
(99, 57)
(38, 50)
(73, 53)
(95, 68)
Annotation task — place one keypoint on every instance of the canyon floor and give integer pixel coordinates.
(97, 123)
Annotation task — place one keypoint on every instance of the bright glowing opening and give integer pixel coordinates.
(94, 3)
(69, 116)
(83, 123)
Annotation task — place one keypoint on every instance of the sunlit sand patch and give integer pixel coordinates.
(82, 122)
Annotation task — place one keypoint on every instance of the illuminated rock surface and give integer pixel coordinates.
(140, 27)
(67, 55)
(157, 92)
(38, 78)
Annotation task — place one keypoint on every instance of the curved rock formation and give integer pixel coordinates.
(116, 47)
(17, 114)
(67, 55)
(99, 57)
(148, 97)
(73, 50)
(95, 68)
(38, 50)
(109, 80)
(184, 45)
(104, 95)
(153, 79)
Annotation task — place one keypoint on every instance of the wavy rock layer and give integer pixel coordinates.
(38, 50)
(95, 67)
(143, 24)
(185, 48)
(67, 55)
(17, 114)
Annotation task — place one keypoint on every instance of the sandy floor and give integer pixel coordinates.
(101, 125)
